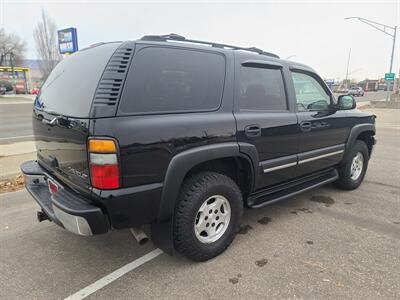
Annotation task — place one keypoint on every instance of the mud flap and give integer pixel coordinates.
(162, 236)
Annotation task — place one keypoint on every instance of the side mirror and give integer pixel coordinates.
(346, 102)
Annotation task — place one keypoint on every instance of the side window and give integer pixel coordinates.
(261, 89)
(310, 95)
(173, 80)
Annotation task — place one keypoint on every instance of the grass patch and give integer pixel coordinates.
(13, 184)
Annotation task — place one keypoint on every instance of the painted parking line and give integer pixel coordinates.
(102, 282)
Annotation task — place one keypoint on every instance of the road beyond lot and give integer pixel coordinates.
(16, 123)
(324, 244)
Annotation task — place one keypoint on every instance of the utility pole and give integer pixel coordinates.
(385, 29)
(347, 70)
(13, 71)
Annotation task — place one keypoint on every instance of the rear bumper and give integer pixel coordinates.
(65, 208)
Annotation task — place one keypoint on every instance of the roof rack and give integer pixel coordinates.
(177, 37)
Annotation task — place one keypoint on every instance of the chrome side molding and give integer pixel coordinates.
(280, 167)
(320, 156)
(310, 156)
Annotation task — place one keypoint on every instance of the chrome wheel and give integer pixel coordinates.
(212, 219)
(357, 166)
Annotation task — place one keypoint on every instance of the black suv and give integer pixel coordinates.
(182, 134)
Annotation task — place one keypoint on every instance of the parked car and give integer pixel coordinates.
(356, 91)
(182, 134)
(20, 88)
(7, 85)
(3, 90)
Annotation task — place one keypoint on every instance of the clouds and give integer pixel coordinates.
(313, 31)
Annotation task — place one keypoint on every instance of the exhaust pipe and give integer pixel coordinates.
(139, 235)
(41, 216)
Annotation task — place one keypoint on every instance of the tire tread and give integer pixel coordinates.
(192, 188)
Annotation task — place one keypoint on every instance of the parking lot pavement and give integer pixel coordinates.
(325, 243)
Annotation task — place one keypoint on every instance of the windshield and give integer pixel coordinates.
(70, 88)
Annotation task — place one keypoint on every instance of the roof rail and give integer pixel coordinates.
(177, 37)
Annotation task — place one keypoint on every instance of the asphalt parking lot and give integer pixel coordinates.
(323, 244)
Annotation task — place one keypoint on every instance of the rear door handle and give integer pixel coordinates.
(252, 130)
(305, 126)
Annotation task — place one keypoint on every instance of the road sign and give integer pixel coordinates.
(67, 40)
(330, 83)
(389, 76)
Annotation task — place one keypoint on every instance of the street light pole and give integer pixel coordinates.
(383, 28)
(393, 47)
(391, 61)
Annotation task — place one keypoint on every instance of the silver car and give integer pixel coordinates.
(356, 91)
(3, 90)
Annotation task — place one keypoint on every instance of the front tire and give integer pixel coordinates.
(207, 216)
(352, 173)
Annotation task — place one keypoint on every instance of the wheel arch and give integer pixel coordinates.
(179, 167)
(199, 158)
(364, 132)
(367, 138)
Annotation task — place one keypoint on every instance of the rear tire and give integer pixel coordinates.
(352, 173)
(207, 216)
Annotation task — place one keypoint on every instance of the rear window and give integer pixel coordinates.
(173, 80)
(70, 88)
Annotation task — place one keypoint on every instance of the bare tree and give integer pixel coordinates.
(45, 35)
(11, 48)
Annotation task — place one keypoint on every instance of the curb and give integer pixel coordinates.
(15, 102)
(18, 148)
(364, 105)
(9, 176)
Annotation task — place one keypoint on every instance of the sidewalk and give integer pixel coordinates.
(17, 99)
(13, 155)
(9, 165)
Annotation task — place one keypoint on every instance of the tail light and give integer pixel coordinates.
(103, 161)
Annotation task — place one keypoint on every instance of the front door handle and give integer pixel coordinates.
(252, 130)
(305, 126)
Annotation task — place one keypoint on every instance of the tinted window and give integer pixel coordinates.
(70, 88)
(310, 94)
(261, 89)
(173, 80)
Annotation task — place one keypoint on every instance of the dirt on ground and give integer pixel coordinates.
(13, 184)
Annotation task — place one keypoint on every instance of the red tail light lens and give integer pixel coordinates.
(105, 177)
(104, 167)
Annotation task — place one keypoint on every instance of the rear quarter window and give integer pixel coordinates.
(171, 80)
(70, 88)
